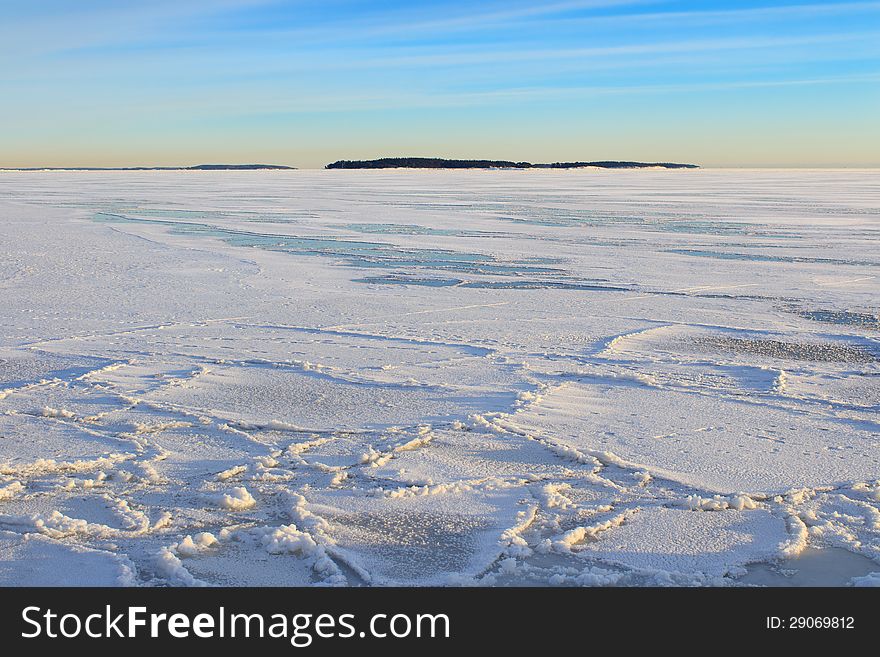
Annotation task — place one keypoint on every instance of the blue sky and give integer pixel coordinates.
(749, 83)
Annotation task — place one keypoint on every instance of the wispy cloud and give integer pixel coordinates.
(477, 20)
(287, 103)
(731, 16)
(68, 25)
(465, 58)
(383, 25)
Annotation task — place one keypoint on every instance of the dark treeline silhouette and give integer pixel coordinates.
(615, 164)
(440, 163)
(426, 163)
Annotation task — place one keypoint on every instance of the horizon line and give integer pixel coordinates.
(293, 169)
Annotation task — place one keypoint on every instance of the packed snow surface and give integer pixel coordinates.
(438, 377)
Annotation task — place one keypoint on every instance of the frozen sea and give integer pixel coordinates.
(431, 377)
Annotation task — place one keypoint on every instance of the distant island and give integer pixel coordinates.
(390, 163)
(440, 163)
(198, 167)
(616, 164)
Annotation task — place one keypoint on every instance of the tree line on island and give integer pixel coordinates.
(441, 163)
(391, 163)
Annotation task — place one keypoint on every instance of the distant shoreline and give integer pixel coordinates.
(388, 163)
(440, 163)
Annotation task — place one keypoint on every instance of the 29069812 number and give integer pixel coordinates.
(811, 623)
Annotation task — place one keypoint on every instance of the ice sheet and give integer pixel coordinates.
(437, 377)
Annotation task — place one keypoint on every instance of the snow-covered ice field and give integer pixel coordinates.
(425, 377)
